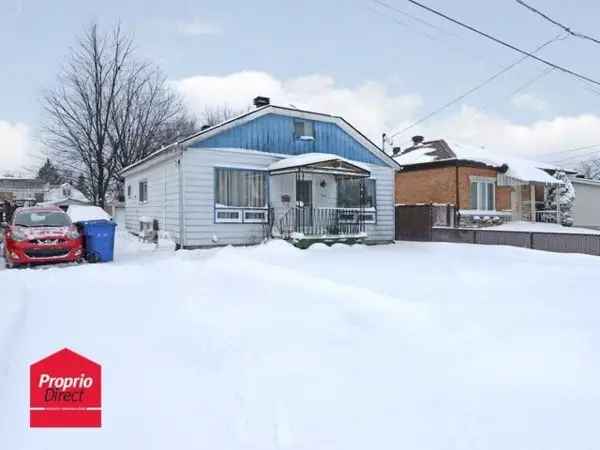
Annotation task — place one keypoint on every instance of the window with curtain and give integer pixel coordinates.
(348, 193)
(240, 188)
(483, 196)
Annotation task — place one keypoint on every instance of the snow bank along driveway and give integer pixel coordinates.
(407, 346)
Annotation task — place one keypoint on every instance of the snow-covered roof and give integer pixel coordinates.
(518, 168)
(259, 112)
(64, 193)
(309, 159)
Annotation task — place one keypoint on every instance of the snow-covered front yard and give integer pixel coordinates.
(407, 346)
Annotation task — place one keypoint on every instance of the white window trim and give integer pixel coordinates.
(228, 220)
(356, 212)
(479, 201)
(255, 210)
(144, 180)
(241, 214)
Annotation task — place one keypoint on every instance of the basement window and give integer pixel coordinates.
(304, 130)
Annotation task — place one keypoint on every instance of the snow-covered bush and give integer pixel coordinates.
(563, 195)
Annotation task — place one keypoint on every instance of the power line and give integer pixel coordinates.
(505, 44)
(571, 150)
(547, 71)
(558, 24)
(403, 24)
(576, 158)
(476, 88)
(410, 16)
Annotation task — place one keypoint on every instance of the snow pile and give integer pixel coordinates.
(348, 348)
(541, 227)
(79, 213)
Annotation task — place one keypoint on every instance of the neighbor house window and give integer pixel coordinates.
(143, 191)
(240, 195)
(349, 193)
(304, 129)
(128, 191)
(483, 195)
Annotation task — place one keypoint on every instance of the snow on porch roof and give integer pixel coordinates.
(318, 162)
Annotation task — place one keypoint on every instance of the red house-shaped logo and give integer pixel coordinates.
(65, 391)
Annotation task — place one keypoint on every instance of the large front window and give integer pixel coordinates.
(483, 195)
(349, 195)
(240, 196)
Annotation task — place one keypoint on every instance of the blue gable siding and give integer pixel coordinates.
(274, 133)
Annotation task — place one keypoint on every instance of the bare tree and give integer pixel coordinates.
(109, 111)
(147, 115)
(214, 115)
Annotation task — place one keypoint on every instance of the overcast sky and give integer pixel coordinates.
(378, 68)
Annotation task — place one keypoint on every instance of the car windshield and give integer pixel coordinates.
(42, 219)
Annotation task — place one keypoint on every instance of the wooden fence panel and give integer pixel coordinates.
(414, 223)
(567, 243)
(513, 238)
(453, 235)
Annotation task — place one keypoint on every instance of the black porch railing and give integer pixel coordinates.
(328, 222)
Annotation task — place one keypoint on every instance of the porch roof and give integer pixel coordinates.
(319, 163)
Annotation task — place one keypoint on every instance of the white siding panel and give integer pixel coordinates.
(199, 197)
(383, 230)
(200, 229)
(163, 197)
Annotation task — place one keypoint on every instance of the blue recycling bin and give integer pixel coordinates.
(98, 240)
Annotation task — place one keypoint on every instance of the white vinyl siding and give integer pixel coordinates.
(162, 193)
(201, 229)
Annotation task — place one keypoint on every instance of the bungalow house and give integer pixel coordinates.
(63, 196)
(274, 171)
(482, 186)
(586, 210)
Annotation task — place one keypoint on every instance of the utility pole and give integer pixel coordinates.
(383, 139)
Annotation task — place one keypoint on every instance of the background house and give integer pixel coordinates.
(586, 210)
(273, 170)
(479, 183)
(63, 196)
(22, 190)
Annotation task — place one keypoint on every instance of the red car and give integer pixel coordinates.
(40, 235)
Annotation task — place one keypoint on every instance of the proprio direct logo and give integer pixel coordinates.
(65, 391)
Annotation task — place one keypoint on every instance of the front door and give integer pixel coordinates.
(304, 204)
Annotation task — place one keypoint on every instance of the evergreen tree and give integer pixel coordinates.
(49, 173)
(562, 197)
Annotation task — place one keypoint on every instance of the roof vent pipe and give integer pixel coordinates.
(396, 150)
(418, 140)
(261, 101)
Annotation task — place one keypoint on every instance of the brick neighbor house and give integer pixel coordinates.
(483, 187)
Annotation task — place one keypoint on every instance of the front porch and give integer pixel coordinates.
(523, 201)
(321, 198)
